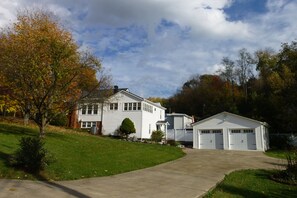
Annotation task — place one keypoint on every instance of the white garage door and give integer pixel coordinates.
(242, 139)
(211, 139)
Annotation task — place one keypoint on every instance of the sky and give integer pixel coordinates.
(153, 46)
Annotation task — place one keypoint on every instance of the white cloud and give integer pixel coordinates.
(153, 46)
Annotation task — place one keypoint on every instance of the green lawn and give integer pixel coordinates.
(278, 153)
(79, 155)
(251, 183)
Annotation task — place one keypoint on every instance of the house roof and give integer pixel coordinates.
(139, 98)
(179, 114)
(161, 122)
(227, 113)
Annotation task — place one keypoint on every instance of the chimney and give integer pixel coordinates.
(115, 89)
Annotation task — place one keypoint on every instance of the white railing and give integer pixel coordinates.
(183, 135)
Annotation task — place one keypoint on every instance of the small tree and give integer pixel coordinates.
(127, 127)
(157, 136)
(31, 155)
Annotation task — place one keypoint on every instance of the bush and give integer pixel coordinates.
(157, 136)
(31, 155)
(289, 175)
(173, 143)
(127, 127)
(59, 120)
(279, 141)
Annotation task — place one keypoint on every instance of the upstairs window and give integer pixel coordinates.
(113, 106)
(95, 109)
(89, 109)
(132, 106)
(84, 109)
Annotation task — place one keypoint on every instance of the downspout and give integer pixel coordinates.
(101, 125)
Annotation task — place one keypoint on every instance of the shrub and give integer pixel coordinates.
(279, 141)
(157, 136)
(173, 143)
(127, 127)
(31, 155)
(59, 120)
(289, 175)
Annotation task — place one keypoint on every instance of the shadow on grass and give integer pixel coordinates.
(240, 191)
(5, 158)
(16, 130)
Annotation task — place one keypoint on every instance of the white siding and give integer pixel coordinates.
(144, 120)
(112, 119)
(149, 120)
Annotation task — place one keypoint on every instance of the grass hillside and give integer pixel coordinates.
(79, 155)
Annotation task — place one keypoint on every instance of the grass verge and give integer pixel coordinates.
(251, 183)
(281, 154)
(79, 155)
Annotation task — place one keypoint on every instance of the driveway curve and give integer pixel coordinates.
(190, 176)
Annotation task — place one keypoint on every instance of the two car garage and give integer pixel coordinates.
(230, 132)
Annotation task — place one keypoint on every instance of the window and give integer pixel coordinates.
(248, 131)
(147, 108)
(235, 131)
(205, 131)
(216, 131)
(93, 124)
(84, 109)
(132, 106)
(95, 109)
(90, 108)
(84, 125)
(113, 106)
(89, 124)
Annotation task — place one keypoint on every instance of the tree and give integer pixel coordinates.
(244, 69)
(278, 94)
(127, 127)
(43, 67)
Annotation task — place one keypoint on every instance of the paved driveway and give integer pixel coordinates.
(190, 176)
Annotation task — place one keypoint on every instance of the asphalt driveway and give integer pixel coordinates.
(190, 176)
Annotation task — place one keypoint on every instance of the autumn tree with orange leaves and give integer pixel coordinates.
(41, 64)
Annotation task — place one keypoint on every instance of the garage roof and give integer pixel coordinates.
(227, 113)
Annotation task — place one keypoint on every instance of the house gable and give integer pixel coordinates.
(228, 119)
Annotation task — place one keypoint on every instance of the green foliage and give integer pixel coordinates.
(289, 175)
(157, 136)
(80, 155)
(279, 141)
(127, 127)
(173, 143)
(59, 120)
(31, 155)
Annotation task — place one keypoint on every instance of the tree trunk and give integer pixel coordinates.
(42, 126)
(26, 119)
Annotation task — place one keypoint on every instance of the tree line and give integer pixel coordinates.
(260, 85)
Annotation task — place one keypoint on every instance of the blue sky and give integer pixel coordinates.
(153, 46)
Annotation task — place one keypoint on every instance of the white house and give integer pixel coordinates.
(146, 115)
(230, 132)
